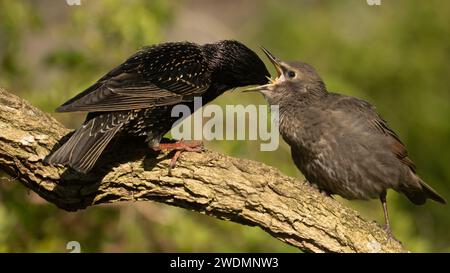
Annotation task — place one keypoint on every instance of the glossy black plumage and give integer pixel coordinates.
(137, 96)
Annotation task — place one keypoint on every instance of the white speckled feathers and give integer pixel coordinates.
(156, 75)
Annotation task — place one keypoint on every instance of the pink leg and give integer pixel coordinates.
(179, 147)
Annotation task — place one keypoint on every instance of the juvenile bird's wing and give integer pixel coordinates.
(164, 74)
(365, 114)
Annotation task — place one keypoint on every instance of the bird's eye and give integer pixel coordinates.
(291, 74)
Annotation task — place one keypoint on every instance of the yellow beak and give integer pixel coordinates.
(276, 63)
(274, 60)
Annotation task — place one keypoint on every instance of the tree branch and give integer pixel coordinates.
(239, 190)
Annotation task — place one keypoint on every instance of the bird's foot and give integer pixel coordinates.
(180, 147)
(322, 191)
(325, 193)
(391, 235)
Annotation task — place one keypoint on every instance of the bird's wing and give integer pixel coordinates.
(397, 146)
(158, 75)
(368, 115)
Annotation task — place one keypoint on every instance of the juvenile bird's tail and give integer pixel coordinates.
(419, 195)
(85, 146)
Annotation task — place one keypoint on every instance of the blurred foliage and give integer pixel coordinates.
(394, 55)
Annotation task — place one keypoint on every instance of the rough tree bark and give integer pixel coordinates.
(239, 190)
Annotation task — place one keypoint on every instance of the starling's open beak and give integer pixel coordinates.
(274, 60)
(277, 64)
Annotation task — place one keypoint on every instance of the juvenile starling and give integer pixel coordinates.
(340, 143)
(137, 97)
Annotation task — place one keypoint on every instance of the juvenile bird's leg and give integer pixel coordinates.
(386, 215)
(179, 146)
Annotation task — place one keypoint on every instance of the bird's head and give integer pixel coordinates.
(294, 80)
(236, 65)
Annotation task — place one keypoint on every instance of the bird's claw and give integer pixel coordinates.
(180, 147)
(391, 237)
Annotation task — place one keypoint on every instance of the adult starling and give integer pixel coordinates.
(340, 143)
(137, 97)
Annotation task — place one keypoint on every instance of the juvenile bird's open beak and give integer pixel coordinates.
(274, 60)
(276, 63)
(260, 87)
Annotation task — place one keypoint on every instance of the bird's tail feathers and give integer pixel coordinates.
(419, 195)
(85, 146)
(431, 193)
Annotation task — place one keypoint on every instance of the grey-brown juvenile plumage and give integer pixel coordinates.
(137, 97)
(340, 143)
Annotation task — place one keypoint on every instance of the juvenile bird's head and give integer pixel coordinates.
(235, 65)
(295, 81)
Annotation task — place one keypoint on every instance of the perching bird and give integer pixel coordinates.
(137, 97)
(340, 143)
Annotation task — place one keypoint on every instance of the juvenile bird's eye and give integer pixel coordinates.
(291, 74)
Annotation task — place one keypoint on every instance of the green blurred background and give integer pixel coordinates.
(395, 55)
